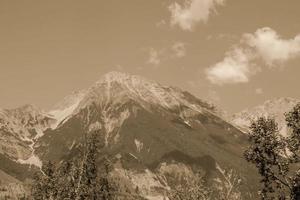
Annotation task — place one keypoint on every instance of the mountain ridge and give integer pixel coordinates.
(274, 108)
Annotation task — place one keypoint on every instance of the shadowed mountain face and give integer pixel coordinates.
(143, 125)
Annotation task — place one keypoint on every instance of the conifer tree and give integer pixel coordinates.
(45, 183)
(79, 178)
(86, 187)
(66, 181)
(105, 186)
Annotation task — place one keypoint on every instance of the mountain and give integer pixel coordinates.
(20, 128)
(275, 108)
(149, 131)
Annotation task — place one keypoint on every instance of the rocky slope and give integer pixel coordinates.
(19, 129)
(146, 128)
(144, 124)
(275, 108)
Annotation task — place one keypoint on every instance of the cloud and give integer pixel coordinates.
(161, 23)
(259, 91)
(271, 47)
(176, 50)
(193, 11)
(241, 62)
(234, 68)
(154, 57)
(179, 49)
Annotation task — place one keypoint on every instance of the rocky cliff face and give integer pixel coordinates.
(19, 129)
(275, 108)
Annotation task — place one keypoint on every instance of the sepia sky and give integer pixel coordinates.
(232, 52)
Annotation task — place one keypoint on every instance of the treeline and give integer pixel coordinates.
(80, 178)
(277, 158)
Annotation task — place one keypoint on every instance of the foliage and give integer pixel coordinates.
(275, 157)
(78, 179)
(191, 188)
(44, 186)
(226, 187)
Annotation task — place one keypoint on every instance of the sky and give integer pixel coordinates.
(234, 53)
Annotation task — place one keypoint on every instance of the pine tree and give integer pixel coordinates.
(66, 179)
(105, 185)
(79, 178)
(86, 187)
(45, 183)
(37, 187)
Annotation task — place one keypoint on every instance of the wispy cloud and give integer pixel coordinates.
(176, 50)
(240, 63)
(186, 16)
(154, 57)
(259, 91)
(179, 49)
(161, 23)
(234, 68)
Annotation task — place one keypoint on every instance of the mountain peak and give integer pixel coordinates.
(275, 108)
(116, 74)
(122, 78)
(118, 88)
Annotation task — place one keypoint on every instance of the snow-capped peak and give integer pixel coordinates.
(116, 88)
(117, 77)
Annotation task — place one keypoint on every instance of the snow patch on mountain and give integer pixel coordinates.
(65, 108)
(32, 160)
(112, 122)
(139, 145)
